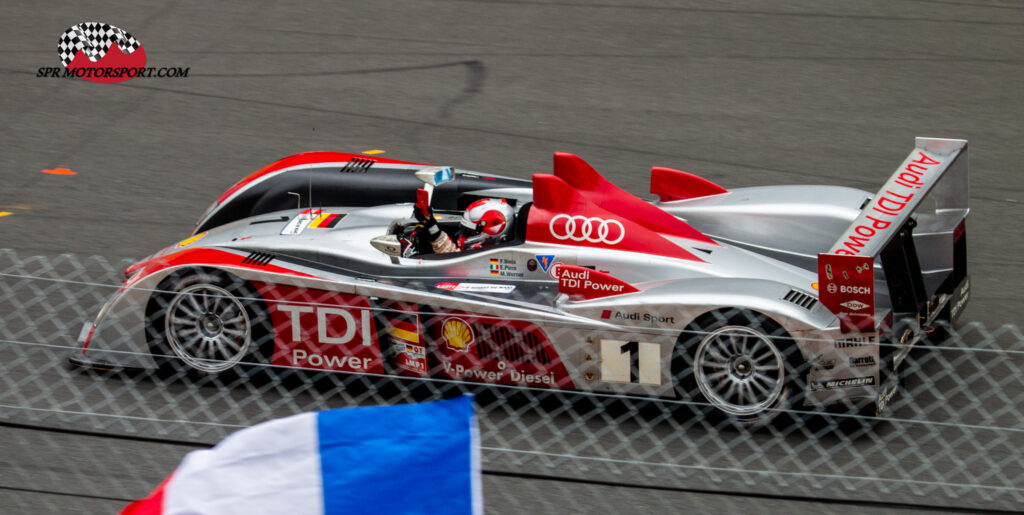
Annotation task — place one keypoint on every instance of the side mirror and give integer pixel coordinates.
(388, 244)
(435, 175)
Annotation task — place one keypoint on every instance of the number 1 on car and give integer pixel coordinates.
(630, 362)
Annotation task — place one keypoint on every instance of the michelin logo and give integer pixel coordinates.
(851, 382)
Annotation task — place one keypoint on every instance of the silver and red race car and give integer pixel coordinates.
(751, 300)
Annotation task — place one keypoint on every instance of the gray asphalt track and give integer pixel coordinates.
(741, 92)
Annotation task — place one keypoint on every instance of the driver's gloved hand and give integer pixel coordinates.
(439, 241)
(425, 215)
(422, 211)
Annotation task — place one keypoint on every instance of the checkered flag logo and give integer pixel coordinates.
(95, 38)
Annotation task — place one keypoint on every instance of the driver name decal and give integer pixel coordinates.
(504, 267)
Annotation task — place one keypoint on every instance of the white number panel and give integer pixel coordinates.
(630, 362)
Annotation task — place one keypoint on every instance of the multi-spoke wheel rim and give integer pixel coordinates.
(208, 328)
(739, 370)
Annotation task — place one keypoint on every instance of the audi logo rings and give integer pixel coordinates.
(582, 228)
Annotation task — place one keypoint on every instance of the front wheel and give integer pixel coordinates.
(743, 365)
(206, 323)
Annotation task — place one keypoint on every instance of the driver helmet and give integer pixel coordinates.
(486, 222)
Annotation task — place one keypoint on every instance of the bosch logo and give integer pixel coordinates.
(864, 290)
(832, 288)
(582, 228)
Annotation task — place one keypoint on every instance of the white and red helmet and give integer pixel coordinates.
(487, 221)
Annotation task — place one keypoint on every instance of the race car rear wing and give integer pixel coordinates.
(937, 170)
(919, 175)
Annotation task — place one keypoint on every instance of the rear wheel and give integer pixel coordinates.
(207, 323)
(741, 364)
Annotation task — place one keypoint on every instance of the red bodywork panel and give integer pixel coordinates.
(583, 283)
(589, 183)
(561, 215)
(669, 184)
(322, 329)
(846, 286)
(408, 351)
(303, 159)
(404, 334)
(319, 329)
(495, 350)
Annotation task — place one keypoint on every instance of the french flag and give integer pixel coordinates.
(410, 458)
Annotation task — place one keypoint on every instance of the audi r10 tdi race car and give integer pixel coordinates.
(748, 300)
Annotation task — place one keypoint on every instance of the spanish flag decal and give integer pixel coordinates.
(326, 221)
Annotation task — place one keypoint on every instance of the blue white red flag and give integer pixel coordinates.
(422, 458)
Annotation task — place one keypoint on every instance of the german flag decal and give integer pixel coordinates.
(326, 221)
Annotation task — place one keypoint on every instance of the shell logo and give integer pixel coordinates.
(457, 334)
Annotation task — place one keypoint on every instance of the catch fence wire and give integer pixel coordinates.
(952, 437)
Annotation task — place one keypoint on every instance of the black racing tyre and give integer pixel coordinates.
(738, 365)
(207, 323)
